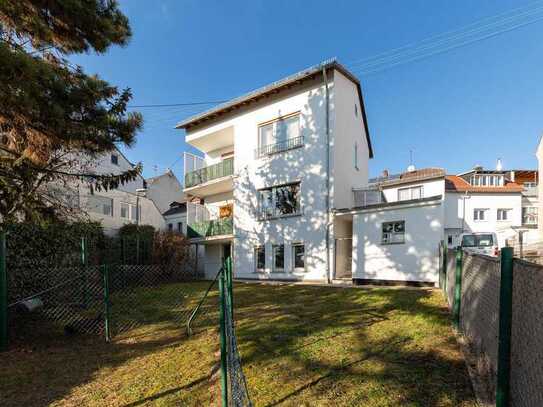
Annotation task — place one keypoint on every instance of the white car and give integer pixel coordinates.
(481, 242)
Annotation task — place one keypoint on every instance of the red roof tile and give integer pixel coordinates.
(454, 183)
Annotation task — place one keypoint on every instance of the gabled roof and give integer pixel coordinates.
(454, 183)
(176, 207)
(276, 87)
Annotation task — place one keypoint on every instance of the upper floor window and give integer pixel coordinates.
(503, 214)
(279, 201)
(356, 155)
(356, 110)
(114, 159)
(279, 135)
(487, 180)
(405, 194)
(100, 204)
(530, 184)
(479, 214)
(529, 215)
(129, 211)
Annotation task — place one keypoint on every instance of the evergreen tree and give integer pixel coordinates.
(52, 112)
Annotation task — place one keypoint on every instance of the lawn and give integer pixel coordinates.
(300, 345)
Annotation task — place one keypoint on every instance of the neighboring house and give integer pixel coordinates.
(398, 222)
(276, 164)
(175, 217)
(164, 189)
(116, 207)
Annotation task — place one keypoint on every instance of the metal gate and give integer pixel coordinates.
(343, 255)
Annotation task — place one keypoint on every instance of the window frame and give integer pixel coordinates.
(293, 256)
(477, 218)
(101, 205)
(507, 211)
(256, 249)
(530, 211)
(131, 207)
(276, 269)
(410, 189)
(262, 148)
(264, 215)
(394, 233)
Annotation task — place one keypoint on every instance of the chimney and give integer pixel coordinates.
(499, 165)
(385, 173)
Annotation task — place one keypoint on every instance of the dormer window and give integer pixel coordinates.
(487, 180)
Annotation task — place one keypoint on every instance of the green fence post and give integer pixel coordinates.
(457, 288)
(504, 339)
(222, 325)
(107, 310)
(229, 284)
(3, 294)
(445, 265)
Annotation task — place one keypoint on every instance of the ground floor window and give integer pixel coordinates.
(180, 227)
(298, 256)
(129, 211)
(503, 214)
(393, 232)
(260, 258)
(278, 258)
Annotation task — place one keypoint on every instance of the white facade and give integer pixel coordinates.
(460, 214)
(164, 189)
(327, 164)
(414, 258)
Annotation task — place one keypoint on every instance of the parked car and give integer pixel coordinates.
(482, 243)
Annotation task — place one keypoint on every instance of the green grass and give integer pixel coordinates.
(300, 345)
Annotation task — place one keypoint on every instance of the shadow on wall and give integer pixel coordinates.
(415, 260)
(306, 165)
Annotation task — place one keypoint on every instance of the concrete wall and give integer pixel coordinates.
(454, 213)
(414, 260)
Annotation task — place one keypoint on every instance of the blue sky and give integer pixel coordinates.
(468, 106)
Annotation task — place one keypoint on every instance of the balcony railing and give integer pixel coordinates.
(280, 146)
(215, 171)
(530, 191)
(216, 227)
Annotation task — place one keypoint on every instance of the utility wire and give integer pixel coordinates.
(474, 32)
(214, 102)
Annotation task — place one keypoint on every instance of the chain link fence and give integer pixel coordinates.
(83, 286)
(481, 311)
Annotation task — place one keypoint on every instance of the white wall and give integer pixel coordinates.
(163, 190)
(103, 165)
(174, 220)
(504, 229)
(432, 187)
(414, 260)
(348, 130)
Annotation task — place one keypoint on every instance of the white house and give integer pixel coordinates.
(175, 217)
(116, 207)
(164, 189)
(276, 164)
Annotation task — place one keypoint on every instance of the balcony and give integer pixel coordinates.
(279, 147)
(211, 228)
(212, 179)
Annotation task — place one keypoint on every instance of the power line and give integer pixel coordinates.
(478, 31)
(213, 102)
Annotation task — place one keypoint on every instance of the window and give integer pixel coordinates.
(356, 110)
(450, 240)
(405, 194)
(529, 215)
(503, 214)
(280, 135)
(279, 201)
(393, 232)
(260, 258)
(356, 155)
(114, 159)
(485, 240)
(129, 211)
(100, 204)
(479, 214)
(298, 256)
(170, 227)
(278, 258)
(180, 227)
(486, 180)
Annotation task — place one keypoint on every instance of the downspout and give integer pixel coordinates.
(327, 110)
